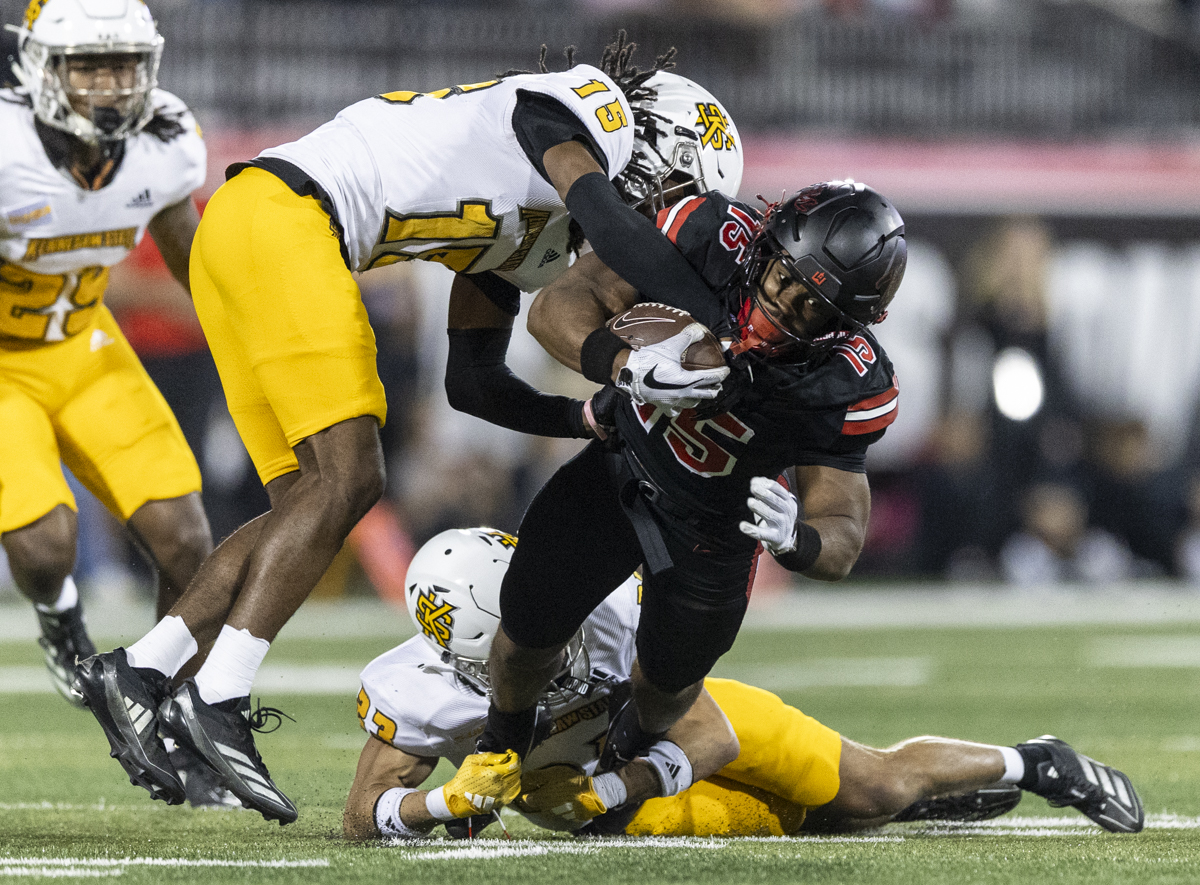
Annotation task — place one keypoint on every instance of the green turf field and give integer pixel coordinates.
(1126, 694)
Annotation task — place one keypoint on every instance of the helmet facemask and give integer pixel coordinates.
(91, 114)
(843, 244)
(761, 332)
(652, 182)
(89, 66)
(570, 683)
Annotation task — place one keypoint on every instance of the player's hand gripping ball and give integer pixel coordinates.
(676, 362)
(559, 797)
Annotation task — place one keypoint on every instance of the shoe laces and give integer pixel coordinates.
(265, 720)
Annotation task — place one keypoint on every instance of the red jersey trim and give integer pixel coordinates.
(870, 415)
(671, 220)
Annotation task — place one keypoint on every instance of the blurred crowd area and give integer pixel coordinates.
(1048, 361)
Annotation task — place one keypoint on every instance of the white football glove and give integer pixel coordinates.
(653, 375)
(775, 511)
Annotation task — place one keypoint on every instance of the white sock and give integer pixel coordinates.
(166, 648)
(68, 597)
(231, 666)
(1014, 765)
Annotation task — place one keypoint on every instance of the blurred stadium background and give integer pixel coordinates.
(1046, 156)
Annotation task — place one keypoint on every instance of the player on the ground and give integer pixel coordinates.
(478, 177)
(740, 763)
(810, 390)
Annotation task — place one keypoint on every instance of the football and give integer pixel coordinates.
(650, 323)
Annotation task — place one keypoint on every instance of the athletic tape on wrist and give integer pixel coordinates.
(593, 426)
(387, 815)
(808, 549)
(673, 767)
(435, 804)
(610, 788)
(596, 355)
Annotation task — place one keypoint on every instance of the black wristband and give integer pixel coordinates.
(596, 355)
(808, 548)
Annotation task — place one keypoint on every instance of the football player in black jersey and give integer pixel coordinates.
(776, 463)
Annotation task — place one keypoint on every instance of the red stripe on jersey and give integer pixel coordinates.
(886, 397)
(677, 215)
(857, 428)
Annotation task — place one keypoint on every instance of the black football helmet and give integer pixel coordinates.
(842, 241)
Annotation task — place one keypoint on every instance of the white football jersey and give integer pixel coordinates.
(410, 699)
(440, 176)
(57, 240)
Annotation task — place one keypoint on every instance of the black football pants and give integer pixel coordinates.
(577, 545)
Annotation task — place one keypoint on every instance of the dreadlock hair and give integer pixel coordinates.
(631, 80)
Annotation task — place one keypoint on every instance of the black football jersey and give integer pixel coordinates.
(780, 415)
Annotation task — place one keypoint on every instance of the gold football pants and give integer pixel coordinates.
(788, 763)
(86, 402)
(283, 317)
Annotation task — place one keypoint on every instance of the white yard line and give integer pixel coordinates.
(494, 848)
(112, 862)
(1145, 651)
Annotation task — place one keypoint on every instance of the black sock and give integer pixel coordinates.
(508, 731)
(1032, 755)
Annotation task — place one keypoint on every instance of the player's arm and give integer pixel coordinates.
(568, 319)
(381, 768)
(173, 229)
(384, 799)
(478, 380)
(624, 240)
(697, 746)
(819, 531)
(581, 300)
(703, 737)
(564, 151)
(837, 504)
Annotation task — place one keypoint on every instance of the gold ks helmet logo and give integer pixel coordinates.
(435, 617)
(716, 127)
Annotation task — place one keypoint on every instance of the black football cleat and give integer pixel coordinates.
(1101, 793)
(65, 643)
(124, 701)
(976, 805)
(222, 734)
(200, 783)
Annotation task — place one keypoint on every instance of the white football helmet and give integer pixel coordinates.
(692, 148)
(56, 31)
(452, 589)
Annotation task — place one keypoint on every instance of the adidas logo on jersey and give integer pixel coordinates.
(551, 255)
(141, 201)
